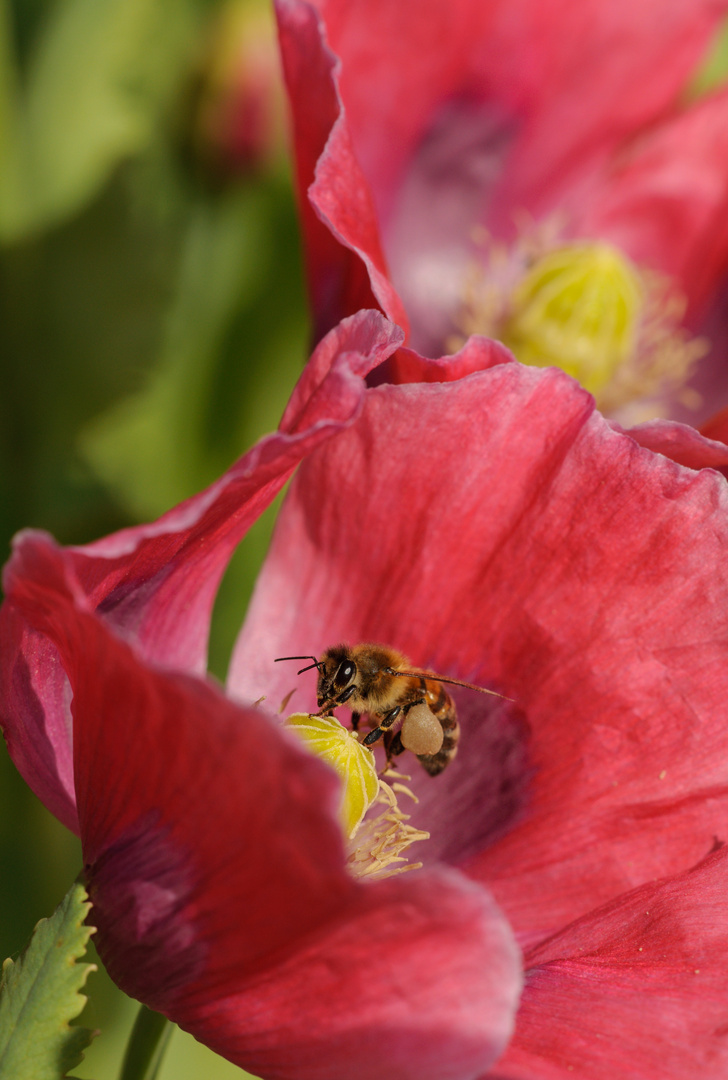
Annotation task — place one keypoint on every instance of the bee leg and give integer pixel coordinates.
(355, 721)
(392, 747)
(333, 703)
(411, 705)
(397, 748)
(384, 724)
(393, 739)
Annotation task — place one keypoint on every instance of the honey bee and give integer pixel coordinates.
(381, 682)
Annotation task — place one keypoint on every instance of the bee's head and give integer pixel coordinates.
(337, 673)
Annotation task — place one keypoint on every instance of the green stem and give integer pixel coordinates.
(147, 1044)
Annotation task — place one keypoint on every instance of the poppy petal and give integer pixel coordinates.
(680, 443)
(637, 989)
(666, 202)
(346, 264)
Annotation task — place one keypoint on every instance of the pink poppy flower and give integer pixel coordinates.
(569, 568)
(528, 172)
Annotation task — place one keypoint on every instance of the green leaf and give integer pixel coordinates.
(147, 446)
(233, 348)
(99, 74)
(40, 995)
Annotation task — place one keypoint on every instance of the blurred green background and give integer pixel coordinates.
(152, 325)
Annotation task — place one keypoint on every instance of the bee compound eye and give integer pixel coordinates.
(345, 673)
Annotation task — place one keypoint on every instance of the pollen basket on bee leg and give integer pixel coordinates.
(421, 731)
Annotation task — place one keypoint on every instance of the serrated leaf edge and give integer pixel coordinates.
(74, 960)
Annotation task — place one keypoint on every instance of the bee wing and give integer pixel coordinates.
(444, 679)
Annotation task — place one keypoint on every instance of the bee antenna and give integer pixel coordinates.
(316, 663)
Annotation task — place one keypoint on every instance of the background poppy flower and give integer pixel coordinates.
(569, 568)
(521, 173)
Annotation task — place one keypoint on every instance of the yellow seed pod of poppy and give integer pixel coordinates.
(354, 763)
(578, 308)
